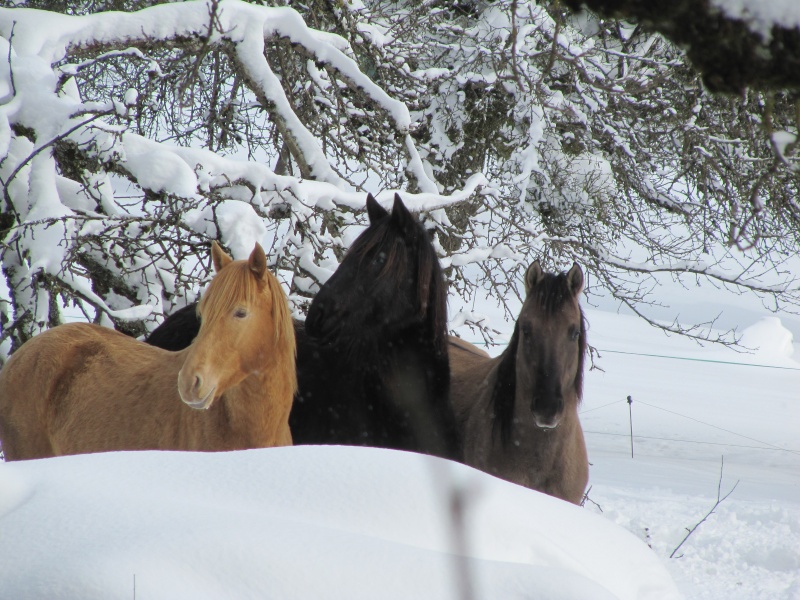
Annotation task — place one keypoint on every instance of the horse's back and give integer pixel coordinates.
(459, 345)
(41, 359)
(65, 391)
(177, 331)
(469, 368)
(22, 398)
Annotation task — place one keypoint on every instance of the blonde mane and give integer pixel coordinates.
(239, 286)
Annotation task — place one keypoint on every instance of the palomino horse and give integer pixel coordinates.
(81, 388)
(372, 362)
(518, 412)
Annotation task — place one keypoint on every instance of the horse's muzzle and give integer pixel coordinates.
(548, 417)
(200, 403)
(195, 395)
(321, 324)
(547, 424)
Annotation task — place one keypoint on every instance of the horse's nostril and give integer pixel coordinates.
(198, 383)
(322, 320)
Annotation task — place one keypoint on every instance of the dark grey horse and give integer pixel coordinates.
(518, 412)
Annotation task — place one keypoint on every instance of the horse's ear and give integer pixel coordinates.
(575, 279)
(374, 210)
(401, 216)
(218, 257)
(258, 261)
(533, 276)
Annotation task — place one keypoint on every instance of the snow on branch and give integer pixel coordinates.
(103, 215)
(517, 130)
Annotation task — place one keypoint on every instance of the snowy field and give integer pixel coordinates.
(359, 523)
(688, 412)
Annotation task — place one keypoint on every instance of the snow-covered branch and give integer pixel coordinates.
(129, 140)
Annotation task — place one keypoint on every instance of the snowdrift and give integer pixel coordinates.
(303, 522)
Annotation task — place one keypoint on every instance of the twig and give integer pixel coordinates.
(213, 23)
(709, 513)
(13, 94)
(10, 329)
(630, 416)
(586, 499)
(458, 501)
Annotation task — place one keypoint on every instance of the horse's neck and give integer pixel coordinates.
(414, 342)
(419, 337)
(361, 367)
(274, 380)
(257, 409)
(415, 347)
(501, 379)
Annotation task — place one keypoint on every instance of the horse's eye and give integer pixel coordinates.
(574, 334)
(240, 313)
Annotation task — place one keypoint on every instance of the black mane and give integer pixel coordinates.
(431, 288)
(379, 376)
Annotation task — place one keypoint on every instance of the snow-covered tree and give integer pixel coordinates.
(735, 44)
(130, 139)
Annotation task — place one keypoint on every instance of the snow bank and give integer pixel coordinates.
(302, 522)
(769, 340)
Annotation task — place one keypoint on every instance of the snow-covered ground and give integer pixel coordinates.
(303, 522)
(688, 412)
(360, 523)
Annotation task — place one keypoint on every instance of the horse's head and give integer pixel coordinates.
(245, 325)
(551, 342)
(390, 279)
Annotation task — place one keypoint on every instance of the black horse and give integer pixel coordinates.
(372, 361)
